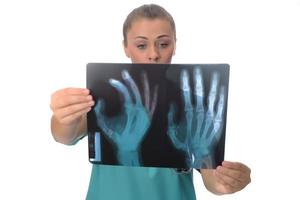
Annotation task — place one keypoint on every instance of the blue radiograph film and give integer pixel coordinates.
(97, 144)
(158, 115)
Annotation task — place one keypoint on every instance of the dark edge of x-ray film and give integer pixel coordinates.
(157, 147)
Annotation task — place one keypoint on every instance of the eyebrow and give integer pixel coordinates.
(143, 37)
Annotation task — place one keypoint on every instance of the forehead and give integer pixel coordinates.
(150, 28)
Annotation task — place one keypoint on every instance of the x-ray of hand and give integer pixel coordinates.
(127, 130)
(200, 129)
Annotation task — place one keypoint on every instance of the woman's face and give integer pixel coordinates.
(150, 41)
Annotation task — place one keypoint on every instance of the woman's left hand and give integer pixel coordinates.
(230, 177)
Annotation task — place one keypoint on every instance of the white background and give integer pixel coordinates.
(45, 45)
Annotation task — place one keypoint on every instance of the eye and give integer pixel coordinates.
(163, 45)
(141, 46)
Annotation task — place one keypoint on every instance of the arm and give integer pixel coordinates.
(229, 178)
(69, 106)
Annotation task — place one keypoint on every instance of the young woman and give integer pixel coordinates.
(149, 37)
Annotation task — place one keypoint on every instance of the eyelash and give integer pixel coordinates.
(161, 45)
(141, 46)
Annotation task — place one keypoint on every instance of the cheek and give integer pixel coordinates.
(168, 55)
(138, 56)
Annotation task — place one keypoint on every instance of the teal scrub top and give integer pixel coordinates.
(135, 183)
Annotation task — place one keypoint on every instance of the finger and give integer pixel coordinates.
(199, 94)
(122, 90)
(220, 179)
(171, 116)
(232, 181)
(242, 174)
(64, 101)
(236, 166)
(63, 94)
(130, 82)
(72, 91)
(211, 102)
(101, 122)
(99, 108)
(185, 87)
(198, 89)
(218, 121)
(213, 93)
(72, 109)
(146, 90)
(74, 116)
(220, 109)
(235, 174)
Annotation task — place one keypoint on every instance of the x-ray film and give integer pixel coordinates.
(157, 115)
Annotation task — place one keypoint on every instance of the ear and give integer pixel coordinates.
(126, 51)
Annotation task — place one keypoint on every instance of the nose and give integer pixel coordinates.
(153, 54)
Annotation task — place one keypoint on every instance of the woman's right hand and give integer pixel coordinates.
(70, 104)
(69, 107)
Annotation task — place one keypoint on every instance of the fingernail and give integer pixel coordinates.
(89, 97)
(86, 91)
